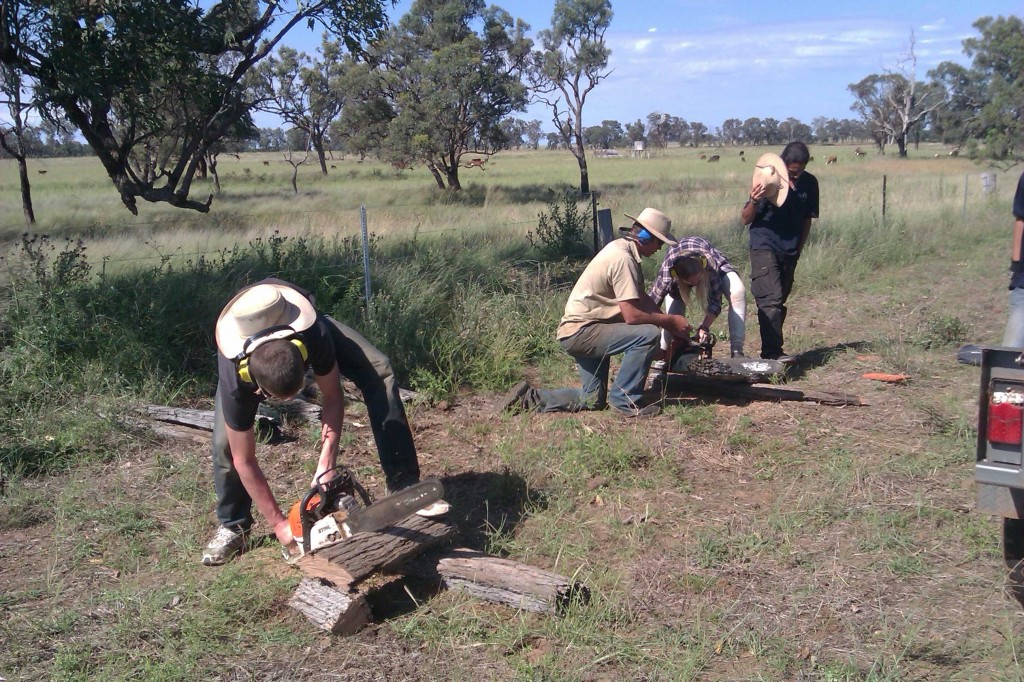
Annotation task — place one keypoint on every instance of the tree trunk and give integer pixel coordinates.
(318, 145)
(437, 175)
(901, 144)
(295, 176)
(26, 192)
(581, 159)
(453, 178)
(357, 558)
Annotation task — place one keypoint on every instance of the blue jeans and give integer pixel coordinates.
(1014, 337)
(593, 347)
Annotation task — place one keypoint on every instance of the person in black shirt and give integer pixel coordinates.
(777, 237)
(267, 337)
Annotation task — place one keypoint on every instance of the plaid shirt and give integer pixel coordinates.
(665, 284)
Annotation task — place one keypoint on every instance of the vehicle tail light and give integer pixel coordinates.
(1006, 417)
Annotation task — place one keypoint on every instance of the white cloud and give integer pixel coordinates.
(642, 45)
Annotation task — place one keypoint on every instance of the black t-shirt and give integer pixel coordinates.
(778, 228)
(239, 399)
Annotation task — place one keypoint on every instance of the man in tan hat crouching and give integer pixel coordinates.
(267, 336)
(609, 313)
(783, 201)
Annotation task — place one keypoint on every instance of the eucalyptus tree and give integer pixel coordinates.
(893, 103)
(13, 132)
(986, 101)
(571, 62)
(447, 85)
(151, 85)
(304, 92)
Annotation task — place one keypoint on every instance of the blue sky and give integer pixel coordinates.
(708, 60)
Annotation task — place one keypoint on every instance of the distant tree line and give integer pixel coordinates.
(158, 90)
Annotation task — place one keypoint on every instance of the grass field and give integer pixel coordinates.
(723, 540)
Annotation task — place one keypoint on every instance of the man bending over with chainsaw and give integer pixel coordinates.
(267, 337)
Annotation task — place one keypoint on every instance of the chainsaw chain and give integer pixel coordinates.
(708, 367)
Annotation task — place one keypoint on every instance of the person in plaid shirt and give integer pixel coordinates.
(694, 264)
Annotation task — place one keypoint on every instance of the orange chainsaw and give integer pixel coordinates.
(330, 512)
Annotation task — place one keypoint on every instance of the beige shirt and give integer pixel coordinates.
(614, 275)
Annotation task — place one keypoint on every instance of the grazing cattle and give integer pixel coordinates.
(955, 152)
(266, 163)
(713, 159)
(476, 163)
(859, 152)
(42, 172)
(831, 160)
(333, 166)
(702, 157)
(400, 165)
(810, 159)
(741, 152)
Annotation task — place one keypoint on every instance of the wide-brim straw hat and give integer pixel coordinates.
(257, 309)
(770, 171)
(657, 223)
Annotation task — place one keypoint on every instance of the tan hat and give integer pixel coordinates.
(657, 223)
(770, 171)
(258, 309)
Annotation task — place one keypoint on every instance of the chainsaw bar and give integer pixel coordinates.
(393, 508)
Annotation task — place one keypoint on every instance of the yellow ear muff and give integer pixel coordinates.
(302, 348)
(243, 364)
(243, 371)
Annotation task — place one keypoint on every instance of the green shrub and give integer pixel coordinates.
(562, 231)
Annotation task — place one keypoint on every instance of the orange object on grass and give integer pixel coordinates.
(889, 378)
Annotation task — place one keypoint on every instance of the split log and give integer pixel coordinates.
(706, 386)
(331, 609)
(350, 561)
(499, 580)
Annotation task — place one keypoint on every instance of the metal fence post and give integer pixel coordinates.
(366, 256)
(604, 223)
(963, 211)
(884, 179)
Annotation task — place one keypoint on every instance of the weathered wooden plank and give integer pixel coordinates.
(330, 608)
(706, 386)
(198, 419)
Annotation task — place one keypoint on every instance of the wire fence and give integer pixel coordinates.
(410, 221)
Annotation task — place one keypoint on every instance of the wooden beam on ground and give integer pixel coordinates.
(350, 561)
(500, 580)
(706, 386)
(197, 419)
(329, 608)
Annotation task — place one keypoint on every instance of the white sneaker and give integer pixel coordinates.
(439, 508)
(224, 546)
